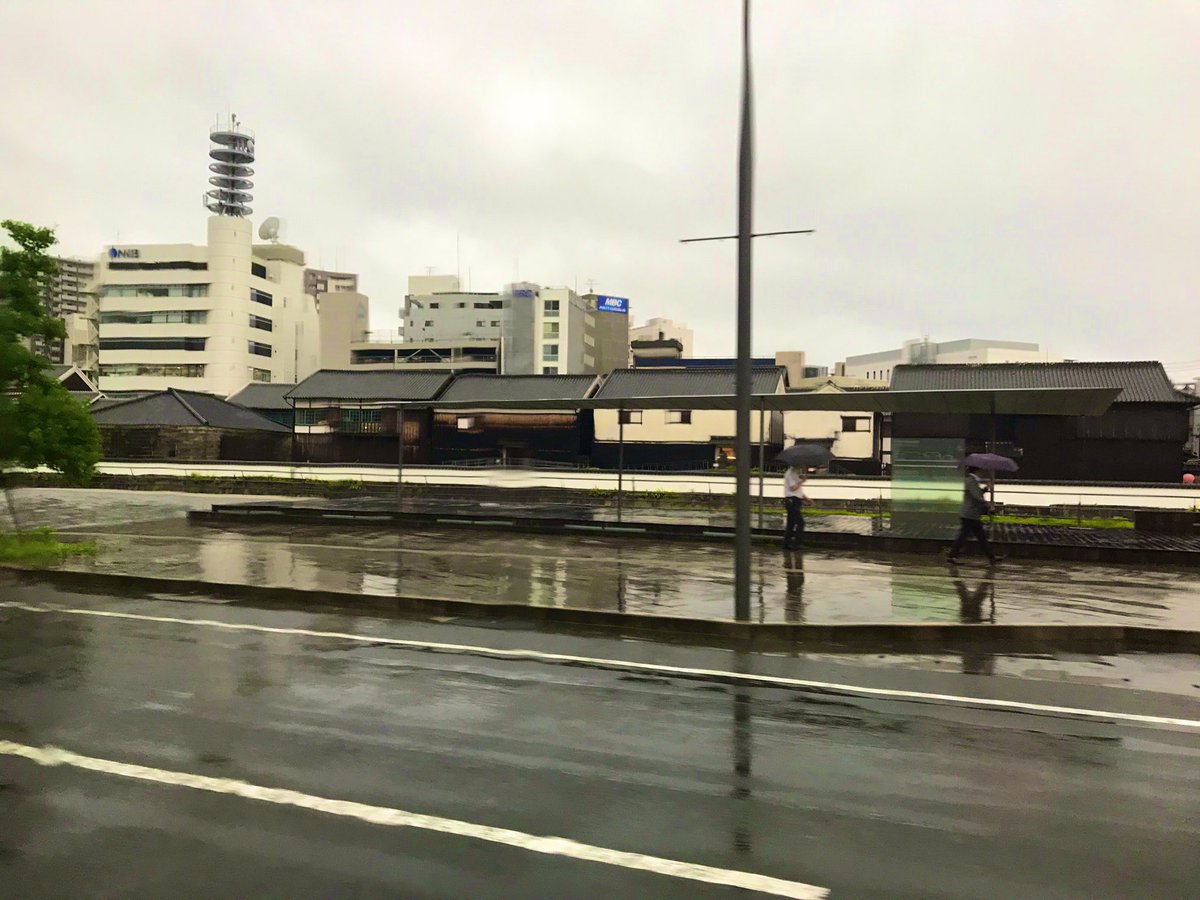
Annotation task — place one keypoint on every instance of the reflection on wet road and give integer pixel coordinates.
(636, 575)
(862, 795)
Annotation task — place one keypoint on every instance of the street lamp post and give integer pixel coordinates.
(745, 372)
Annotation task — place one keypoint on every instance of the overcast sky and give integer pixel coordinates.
(1014, 170)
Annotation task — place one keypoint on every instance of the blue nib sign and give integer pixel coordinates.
(612, 304)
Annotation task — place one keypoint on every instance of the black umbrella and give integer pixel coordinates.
(809, 456)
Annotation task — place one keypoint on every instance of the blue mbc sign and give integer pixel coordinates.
(612, 304)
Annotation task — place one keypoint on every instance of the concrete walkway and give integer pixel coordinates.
(148, 534)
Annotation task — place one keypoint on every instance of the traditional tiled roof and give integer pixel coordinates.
(629, 384)
(182, 408)
(1140, 382)
(340, 384)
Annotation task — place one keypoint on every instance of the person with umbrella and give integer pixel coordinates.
(975, 505)
(797, 458)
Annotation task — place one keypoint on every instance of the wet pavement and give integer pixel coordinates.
(824, 789)
(149, 535)
(1014, 536)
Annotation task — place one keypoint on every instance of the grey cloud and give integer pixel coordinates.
(1021, 170)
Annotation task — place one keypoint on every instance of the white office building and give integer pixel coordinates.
(209, 317)
(525, 329)
(923, 351)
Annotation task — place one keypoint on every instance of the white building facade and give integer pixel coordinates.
(665, 329)
(922, 351)
(525, 329)
(209, 317)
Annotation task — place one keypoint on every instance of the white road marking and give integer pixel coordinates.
(623, 665)
(383, 815)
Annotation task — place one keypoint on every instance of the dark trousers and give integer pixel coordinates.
(968, 528)
(793, 532)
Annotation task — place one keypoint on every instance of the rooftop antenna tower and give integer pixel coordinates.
(231, 148)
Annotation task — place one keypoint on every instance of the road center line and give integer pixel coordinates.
(382, 815)
(741, 678)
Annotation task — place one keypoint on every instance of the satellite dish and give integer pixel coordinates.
(269, 229)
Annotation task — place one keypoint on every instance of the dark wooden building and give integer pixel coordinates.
(1141, 438)
(188, 425)
(476, 431)
(351, 416)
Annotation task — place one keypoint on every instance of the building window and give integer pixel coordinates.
(313, 415)
(127, 370)
(435, 306)
(549, 370)
(259, 349)
(154, 290)
(261, 297)
(630, 417)
(550, 309)
(153, 343)
(260, 323)
(460, 306)
(258, 269)
(429, 323)
(550, 353)
(166, 317)
(856, 423)
(361, 421)
(260, 375)
(550, 330)
(466, 423)
(495, 323)
(180, 264)
(679, 417)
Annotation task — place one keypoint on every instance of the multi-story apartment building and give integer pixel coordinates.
(70, 296)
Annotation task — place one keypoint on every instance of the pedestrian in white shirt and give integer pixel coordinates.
(793, 501)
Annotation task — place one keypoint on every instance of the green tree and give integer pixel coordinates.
(41, 424)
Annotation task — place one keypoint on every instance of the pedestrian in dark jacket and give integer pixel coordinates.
(974, 507)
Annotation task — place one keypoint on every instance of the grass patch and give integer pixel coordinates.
(39, 548)
(1066, 521)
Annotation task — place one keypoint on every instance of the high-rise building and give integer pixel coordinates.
(208, 317)
(70, 296)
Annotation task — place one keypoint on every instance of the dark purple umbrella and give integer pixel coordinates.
(991, 462)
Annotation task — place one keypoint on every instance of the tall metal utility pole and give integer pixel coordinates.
(745, 371)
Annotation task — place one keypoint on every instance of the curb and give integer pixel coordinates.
(923, 637)
(679, 531)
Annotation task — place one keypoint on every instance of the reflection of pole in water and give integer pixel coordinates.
(743, 751)
(793, 606)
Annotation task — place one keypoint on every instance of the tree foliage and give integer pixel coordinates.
(41, 424)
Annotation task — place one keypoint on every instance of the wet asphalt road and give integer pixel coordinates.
(861, 795)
